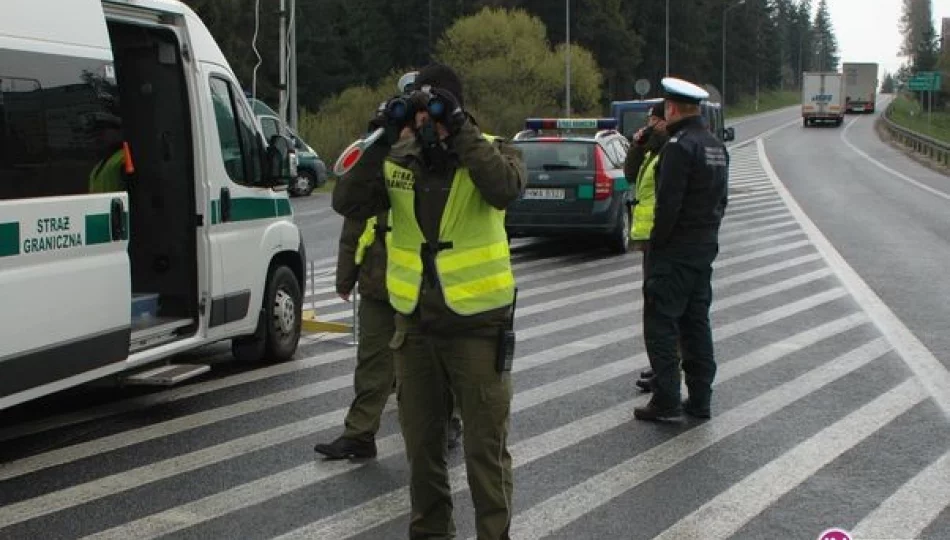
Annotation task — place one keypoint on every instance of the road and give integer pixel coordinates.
(822, 416)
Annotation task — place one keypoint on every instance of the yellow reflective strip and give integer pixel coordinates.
(401, 288)
(451, 261)
(479, 287)
(405, 258)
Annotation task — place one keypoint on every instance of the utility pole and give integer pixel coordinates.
(567, 53)
(282, 61)
(292, 117)
(667, 38)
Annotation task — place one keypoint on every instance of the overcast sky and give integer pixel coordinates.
(867, 29)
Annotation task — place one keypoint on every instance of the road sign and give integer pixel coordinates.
(642, 86)
(924, 81)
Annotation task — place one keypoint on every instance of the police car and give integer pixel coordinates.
(576, 184)
(632, 115)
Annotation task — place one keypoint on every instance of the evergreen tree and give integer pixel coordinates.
(826, 42)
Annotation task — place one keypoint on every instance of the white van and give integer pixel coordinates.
(142, 214)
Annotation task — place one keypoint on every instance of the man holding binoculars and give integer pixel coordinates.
(450, 281)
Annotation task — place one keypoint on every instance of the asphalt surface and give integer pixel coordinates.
(819, 418)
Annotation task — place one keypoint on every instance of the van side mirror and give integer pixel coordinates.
(281, 161)
(729, 134)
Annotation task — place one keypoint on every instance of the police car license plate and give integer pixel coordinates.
(544, 193)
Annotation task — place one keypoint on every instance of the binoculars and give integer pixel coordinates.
(402, 109)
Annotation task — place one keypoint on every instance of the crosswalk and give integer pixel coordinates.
(817, 420)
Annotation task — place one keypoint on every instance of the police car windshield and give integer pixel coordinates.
(557, 155)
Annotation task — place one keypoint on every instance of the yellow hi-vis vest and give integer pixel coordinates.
(472, 260)
(643, 212)
(368, 237)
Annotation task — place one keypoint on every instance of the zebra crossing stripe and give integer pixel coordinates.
(566, 507)
(95, 489)
(907, 512)
(729, 511)
(265, 489)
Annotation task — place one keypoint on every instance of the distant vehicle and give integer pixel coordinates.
(576, 184)
(632, 115)
(311, 170)
(860, 86)
(822, 98)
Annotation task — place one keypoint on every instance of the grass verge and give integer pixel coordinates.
(768, 101)
(908, 113)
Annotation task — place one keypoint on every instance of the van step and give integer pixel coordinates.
(168, 375)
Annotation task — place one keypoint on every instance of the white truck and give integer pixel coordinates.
(860, 86)
(822, 98)
(142, 212)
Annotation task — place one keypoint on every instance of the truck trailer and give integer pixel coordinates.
(860, 86)
(822, 98)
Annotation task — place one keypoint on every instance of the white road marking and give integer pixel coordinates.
(911, 509)
(931, 372)
(723, 515)
(885, 168)
(566, 507)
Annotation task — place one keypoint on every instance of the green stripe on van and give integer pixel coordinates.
(98, 229)
(9, 239)
(251, 208)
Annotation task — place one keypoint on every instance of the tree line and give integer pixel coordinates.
(344, 43)
(922, 48)
(347, 45)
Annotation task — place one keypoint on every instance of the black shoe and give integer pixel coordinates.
(646, 374)
(653, 413)
(645, 384)
(454, 433)
(697, 411)
(344, 448)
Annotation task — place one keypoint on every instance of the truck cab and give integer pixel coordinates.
(142, 212)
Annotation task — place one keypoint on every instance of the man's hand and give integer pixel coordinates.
(345, 296)
(452, 119)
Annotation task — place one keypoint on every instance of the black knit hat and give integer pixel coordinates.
(441, 76)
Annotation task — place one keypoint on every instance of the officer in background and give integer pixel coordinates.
(450, 279)
(691, 199)
(641, 164)
(361, 258)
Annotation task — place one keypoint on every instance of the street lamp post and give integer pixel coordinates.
(667, 38)
(567, 54)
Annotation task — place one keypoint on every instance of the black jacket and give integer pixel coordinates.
(691, 186)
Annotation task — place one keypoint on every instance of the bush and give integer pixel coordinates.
(508, 69)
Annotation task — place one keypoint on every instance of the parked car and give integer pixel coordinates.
(311, 170)
(576, 183)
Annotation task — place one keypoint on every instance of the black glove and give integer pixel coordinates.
(444, 108)
(391, 133)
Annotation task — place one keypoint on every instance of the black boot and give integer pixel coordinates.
(343, 448)
(651, 412)
(646, 374)
(645, 384)
(697, 410)
(454, 433)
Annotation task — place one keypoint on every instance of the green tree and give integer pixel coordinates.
(919, 37)
(887, 84)
(826, 42)
(510, 71)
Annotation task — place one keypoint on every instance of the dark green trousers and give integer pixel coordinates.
(677, 294)
(429, 370)
(374, 375)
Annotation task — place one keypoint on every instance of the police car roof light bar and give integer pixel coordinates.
(537, 124)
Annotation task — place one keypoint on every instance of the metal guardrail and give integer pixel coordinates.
(938, 151)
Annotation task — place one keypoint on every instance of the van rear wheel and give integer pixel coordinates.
(279, 329)
(619, 239)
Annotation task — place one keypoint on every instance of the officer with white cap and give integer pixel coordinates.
(691, 196)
